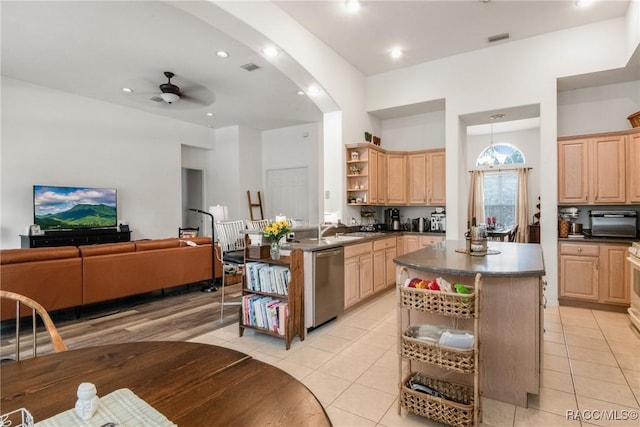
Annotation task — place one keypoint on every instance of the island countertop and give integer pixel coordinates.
(514, 260)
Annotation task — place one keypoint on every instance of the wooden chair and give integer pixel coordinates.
(230, 235)
(511, 237)
(36, 308)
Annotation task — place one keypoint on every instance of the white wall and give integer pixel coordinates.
(418, 132)
(597, 109)
(52, 137)
(295, 147)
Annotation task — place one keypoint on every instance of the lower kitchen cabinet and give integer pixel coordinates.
(358, 273)
(614, 274)
(384, 251)
(594, 272)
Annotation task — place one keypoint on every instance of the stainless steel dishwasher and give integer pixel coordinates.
(328, 284)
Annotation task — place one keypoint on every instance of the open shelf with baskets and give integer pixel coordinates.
(439, 380)
(273, 297)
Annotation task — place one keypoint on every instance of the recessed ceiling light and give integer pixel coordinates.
(270, 51)
(300, 92)
(222, 54)
(583, 3)
(209, 114)
(313, 91)
(352, 6)
(396, 53)
(127, 90)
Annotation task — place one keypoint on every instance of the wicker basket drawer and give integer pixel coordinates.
(450, 412)
(446, 357)
(437, 302)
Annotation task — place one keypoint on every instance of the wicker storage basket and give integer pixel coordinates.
(447, 357)
(446, 411)
(437, 302)
(635, 119)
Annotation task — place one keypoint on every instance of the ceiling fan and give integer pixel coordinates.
(190, 94)
(170, 92)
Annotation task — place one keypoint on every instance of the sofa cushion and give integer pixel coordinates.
(17, 256)
(107, 249)
(150, 245)
(197, 240)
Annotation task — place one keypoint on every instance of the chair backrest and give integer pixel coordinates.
(230, 235)
(512, 234)
(188, 231)
(36, 310)
(259, 224)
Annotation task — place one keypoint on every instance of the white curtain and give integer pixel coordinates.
(522, 206)
(476, 197)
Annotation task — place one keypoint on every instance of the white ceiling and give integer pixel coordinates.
(94, 48)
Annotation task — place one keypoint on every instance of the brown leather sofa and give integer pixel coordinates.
(71, 276)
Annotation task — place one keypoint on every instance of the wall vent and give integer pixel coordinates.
(250, 66)
(498, 37)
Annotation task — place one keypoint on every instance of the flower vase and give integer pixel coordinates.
(275, 250)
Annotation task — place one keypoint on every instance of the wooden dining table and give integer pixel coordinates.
(191, 384)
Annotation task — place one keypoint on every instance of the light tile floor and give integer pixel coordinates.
(591, 363)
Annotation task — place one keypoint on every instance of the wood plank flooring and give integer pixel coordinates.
(178, 314)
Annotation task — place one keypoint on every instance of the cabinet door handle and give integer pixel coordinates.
(579, 249)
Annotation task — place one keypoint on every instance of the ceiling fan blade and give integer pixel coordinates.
(196, 100)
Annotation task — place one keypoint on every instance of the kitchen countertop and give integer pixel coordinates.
(578, 239)
(515, 260)
(312, 244)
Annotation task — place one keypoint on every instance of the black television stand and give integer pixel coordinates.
(75, 237)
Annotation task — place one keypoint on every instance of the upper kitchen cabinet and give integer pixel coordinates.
(633, 167)
(375, 176)
(426, 178)
(396, 178)
(436, 178)
(598, 169)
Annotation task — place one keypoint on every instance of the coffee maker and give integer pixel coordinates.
(392, 218)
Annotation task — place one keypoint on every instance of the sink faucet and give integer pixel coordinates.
(322, 231)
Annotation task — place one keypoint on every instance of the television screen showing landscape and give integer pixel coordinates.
(63, 208)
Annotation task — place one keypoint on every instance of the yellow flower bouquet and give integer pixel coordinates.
(277, 230)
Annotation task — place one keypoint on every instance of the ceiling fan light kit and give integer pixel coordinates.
(170, 92)
(169, 98)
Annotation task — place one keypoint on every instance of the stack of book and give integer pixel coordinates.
(265, 312)
(263, 277)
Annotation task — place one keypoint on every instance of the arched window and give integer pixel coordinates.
(500, 186)
(500, 154)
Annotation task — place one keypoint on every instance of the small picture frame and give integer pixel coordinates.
(34, 230)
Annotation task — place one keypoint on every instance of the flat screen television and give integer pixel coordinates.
(69, 208)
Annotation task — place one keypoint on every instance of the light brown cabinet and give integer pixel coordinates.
(579, 266)
(417, 173)
(384, 251)
(633, 169)
(377, 177)
(436, 178)
(396, 179)
(594, 272)
(599, 169)
(358, 273)
(426, 178)
(614, 274)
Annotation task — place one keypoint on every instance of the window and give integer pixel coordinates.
(500, 154)
(500, 187)
(500, 190)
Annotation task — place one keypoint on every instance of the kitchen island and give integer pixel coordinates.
(510, 312)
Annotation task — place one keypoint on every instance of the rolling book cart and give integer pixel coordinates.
(428, 371)
(273, 297)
